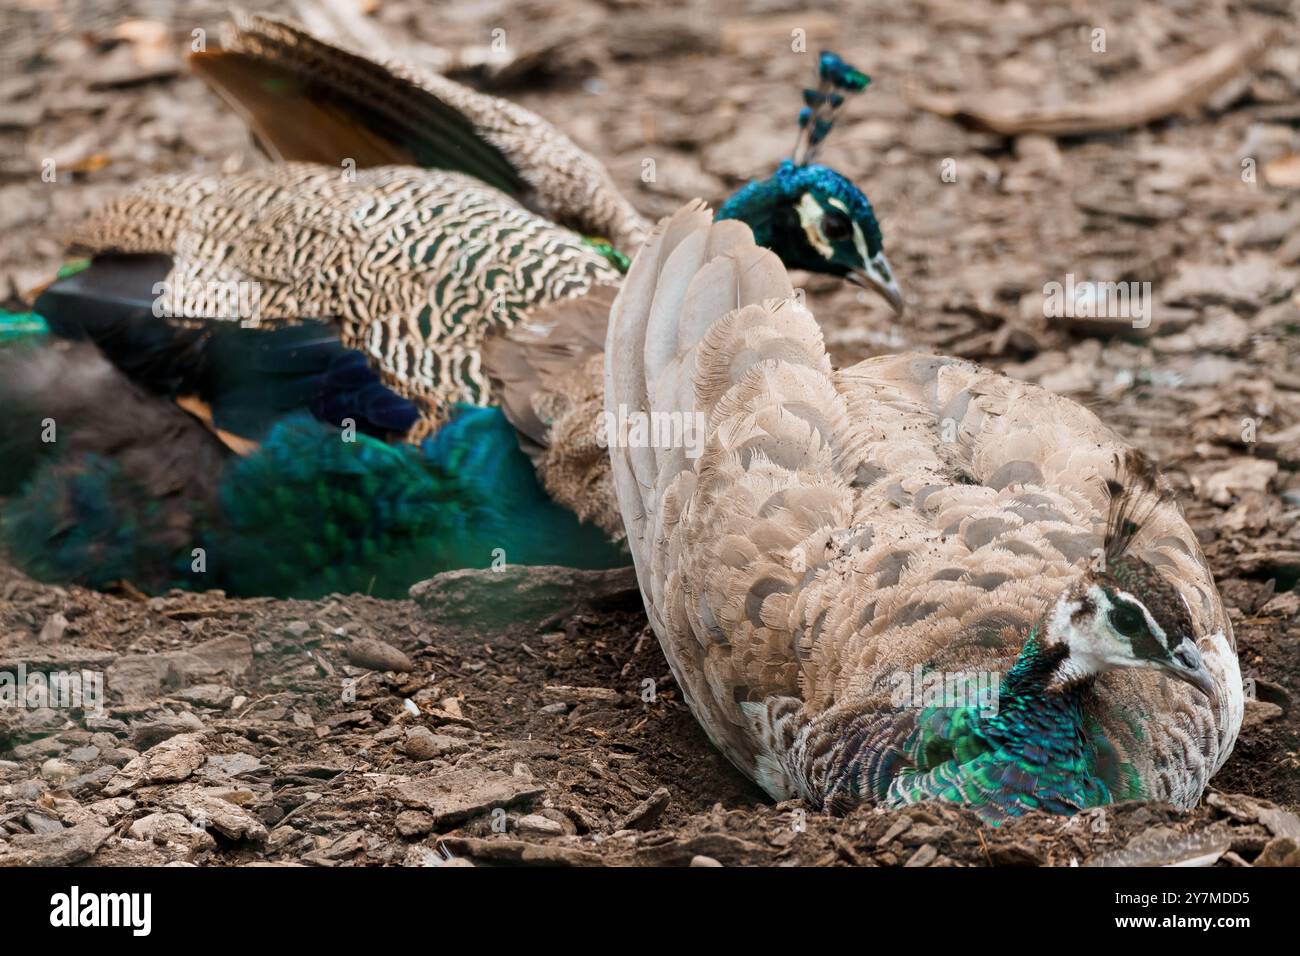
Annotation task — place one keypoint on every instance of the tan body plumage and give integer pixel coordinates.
(844, 526)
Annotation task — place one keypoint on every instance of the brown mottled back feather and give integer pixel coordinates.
(416, 266)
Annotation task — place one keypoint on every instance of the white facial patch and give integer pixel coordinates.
(1095, 646)
(810, 217)
(860, 243)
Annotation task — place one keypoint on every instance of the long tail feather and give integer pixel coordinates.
(106, 481)
(109, 483)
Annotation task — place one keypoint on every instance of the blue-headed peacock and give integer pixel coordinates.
(368, 330)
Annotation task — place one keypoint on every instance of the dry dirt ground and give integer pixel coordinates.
(355, 731)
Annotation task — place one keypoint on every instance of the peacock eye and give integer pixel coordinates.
(836, 226)
(1128, 620)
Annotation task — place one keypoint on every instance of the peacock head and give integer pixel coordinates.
(811, 216)
(816, 219)
(1100, 623)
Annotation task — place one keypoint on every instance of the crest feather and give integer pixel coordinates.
(1135, 493)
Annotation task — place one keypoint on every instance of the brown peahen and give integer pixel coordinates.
(912, 579)
(316, 312)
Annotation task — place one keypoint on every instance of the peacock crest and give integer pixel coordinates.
(836, 81)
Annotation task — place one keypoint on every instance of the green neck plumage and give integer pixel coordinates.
(1039, 751)
(21, 325)
(617, 259)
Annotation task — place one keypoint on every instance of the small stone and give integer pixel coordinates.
(83, 754)
(24, 790)
(1286, 604)
(64, 848)
(171, 761)
(108, 725)
(146, 734)
(164, 828)
(378, 656)
(923, 857)
(459, 794)
(924, 833)
(1014, 855)
(413, 823)
(554, 709)
(174, 759)
(57, 771)
(423, 744)
(52, 630)
(1279, 851)
(901, 826)
(141, 678)
(534, 824)
(575, 695)
(110, 810)
(280, 838)
(297, 629)
(441, 717)
(39, 823)
(521, 596)
(44, 747)
(119, 756)
(646, 813)
(209, 808)
(217, 696)
(220, 768)
(704, 861)
(92, 779)
(344, 848)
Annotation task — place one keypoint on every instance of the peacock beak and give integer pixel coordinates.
(1187, 664)
(879, 276)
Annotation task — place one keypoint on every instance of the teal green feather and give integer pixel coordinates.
(16, 326)
(1037, 752)
(86, 521)
(618, 260)
(309, 513)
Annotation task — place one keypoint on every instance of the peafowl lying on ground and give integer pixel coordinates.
(856, 554)
(342, 323)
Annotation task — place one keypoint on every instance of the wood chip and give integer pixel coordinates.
(1135, 104)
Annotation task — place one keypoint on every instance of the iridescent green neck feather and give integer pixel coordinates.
(1039, 751)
